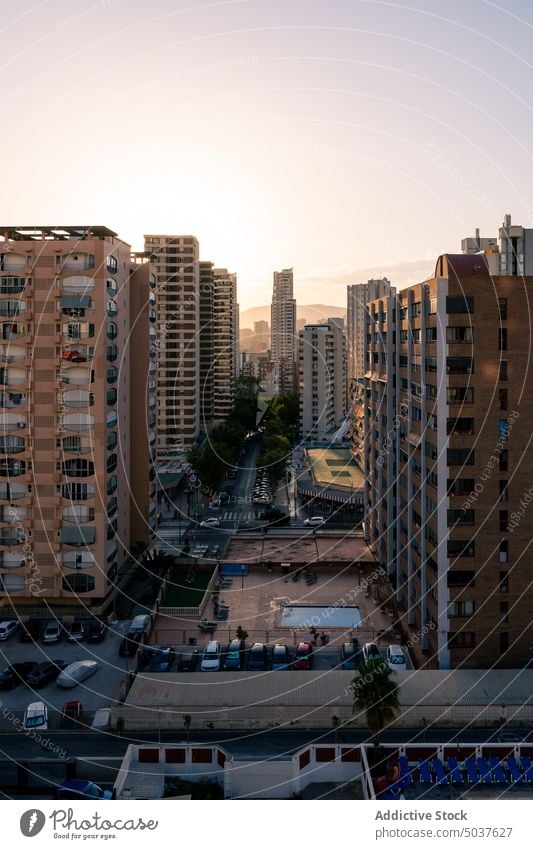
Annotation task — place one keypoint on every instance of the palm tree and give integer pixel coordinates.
(375, 694)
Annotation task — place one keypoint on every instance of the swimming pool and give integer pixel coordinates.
(319, 616)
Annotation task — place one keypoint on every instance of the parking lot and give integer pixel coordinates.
(98, 691)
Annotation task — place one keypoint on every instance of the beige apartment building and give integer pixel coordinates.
(177, 264)
(225, 362)
(322, 378)
(283, 334)
(449, 406)
(75, 319)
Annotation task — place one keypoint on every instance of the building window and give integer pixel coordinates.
(111, 264)
(112, 287)
(461, 517)
(502, 305)
(461, 579)
(459, 334)
(504, 460)
(461, 640)
(78, 583)
(462, 607)
(111, 396)
(112, 462)
(459, 365)
(461, 457)
(504, 582)
(504, 641)
(504, 520)
(431, 334)
(503, 370)
(112, 330)
(460, 395)
(502, 338)
(504, 490)
(504, 612)
(460, 548)
(502, 396)
(504, 551)
(459, 305)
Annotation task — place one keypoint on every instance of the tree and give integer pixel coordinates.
(375, 694)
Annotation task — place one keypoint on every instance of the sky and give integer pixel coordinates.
(344, 138)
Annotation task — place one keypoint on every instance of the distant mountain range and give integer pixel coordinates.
(311, 312)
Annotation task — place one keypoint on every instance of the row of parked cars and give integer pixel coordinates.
(53, 631)
(262, 491)
(37, 675)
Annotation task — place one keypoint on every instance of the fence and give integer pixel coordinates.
(196, 610)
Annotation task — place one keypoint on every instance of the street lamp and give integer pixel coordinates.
(243, 571)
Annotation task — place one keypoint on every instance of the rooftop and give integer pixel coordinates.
(42, 232)
(335, 467)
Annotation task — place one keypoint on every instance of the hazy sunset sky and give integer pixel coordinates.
(346, 138)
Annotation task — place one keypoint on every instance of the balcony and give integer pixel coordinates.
(11, 376)
(78, 536)
(12, 353)
(77, 421)
(77, 376)
(78, 330)
(76, 398)
(78, 491)
(12, 262)
(11, 421)
(77, 445)
(12, 491)
(12, 468)
(78, 261)
(12, 514)
(11, 537)
(12, 444)
(79, 354)
(77, 284)
(76, 468)
(10, 308)
(12, 330)
(12, 560)
(78, 560)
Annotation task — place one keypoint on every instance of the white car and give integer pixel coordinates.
(7, 629)
(210, 523)
(396, 659)
(36, 717)
(101, 719)
(315, 521)
(76, 672)
(212, 656)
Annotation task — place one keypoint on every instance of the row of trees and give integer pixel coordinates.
(281, 424)
(220, 451)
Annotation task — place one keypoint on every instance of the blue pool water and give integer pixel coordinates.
(319, 616)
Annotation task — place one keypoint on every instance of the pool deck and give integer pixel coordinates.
(254, 603)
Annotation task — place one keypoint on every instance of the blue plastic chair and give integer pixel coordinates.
(484, 770)
(405, 774)
(438, 768)
(425, 772)
(514, 771)
(473, 775)
(528, 769)
(498, 770)
(455, 773)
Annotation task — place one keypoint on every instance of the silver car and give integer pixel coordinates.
(77, 672)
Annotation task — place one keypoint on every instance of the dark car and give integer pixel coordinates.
(95, 631)
(188, 661)
(350, 655)
(233, 657)
(257, 659)
(15, 674)
(30, 631)
(162, 660)
(280, 658)
(304, 656)
(72, 714)
(130, 643)
(45, 672)
(75, 632)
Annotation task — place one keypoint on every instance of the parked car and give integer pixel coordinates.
(8, 629)
(79, 788)
(396, 658)
(211, 658)
(52, 633)
(371, 652)
(75, 632)
(71, 714)
(77, 672)
(257, 659)
(280, 658)
(315, 521)
(36, 717)
(162, 660)
(96, 631)
(233, 657)
(30, 631)
(45, 672)
(140, 623)
(101, 719)
(15, 674)
(188, 661)
(304, 656)
(130, 643)
(212, 522)
(350, 655)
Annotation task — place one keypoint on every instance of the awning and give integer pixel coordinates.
(81, 535)
(72, 302)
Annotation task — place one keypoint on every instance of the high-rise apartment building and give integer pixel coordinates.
(449, 401)
(359, 295)
(225, 363)
(177, 264)
(510, 253)
(206, 346)
(322, 373)
(283, 331)
(76, 476)
(261, 336)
